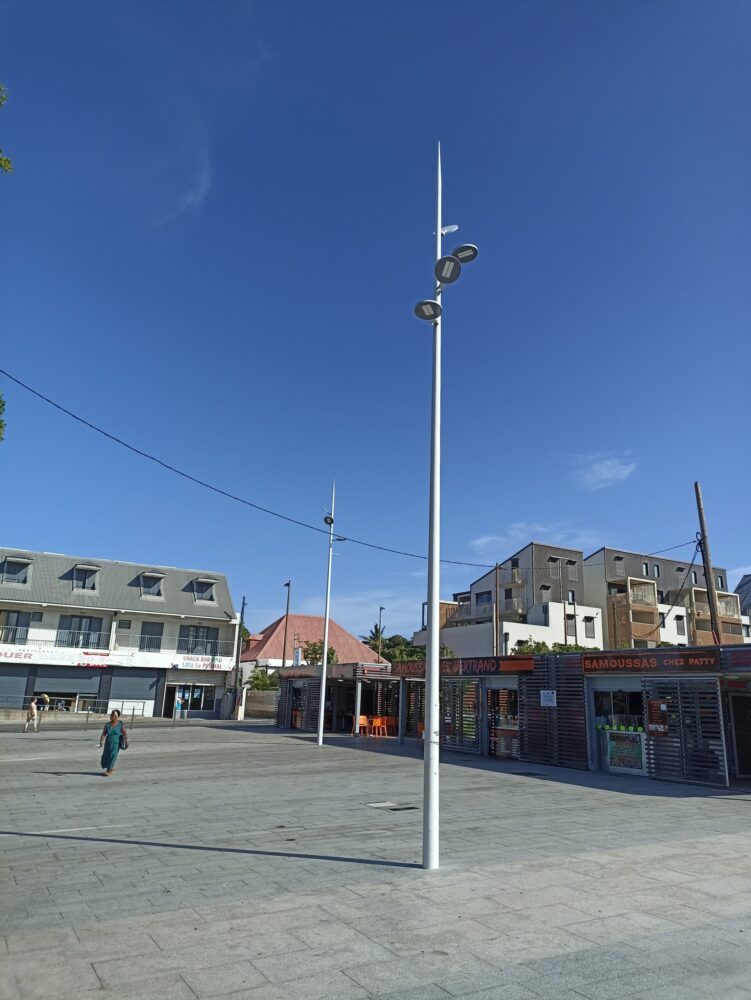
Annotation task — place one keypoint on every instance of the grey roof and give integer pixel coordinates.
(118, 586)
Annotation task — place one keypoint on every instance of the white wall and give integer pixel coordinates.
(670, 632)
(477, 640)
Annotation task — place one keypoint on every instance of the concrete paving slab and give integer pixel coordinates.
(272, 865)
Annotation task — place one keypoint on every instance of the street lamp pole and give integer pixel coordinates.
(430, 809)
(380, 631)
(288, 585)
(447, 270)
(329, 520)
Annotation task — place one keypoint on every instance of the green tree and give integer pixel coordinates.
(531, 647)
(375, 637)
(244, 634)
(312, 652)
(260, 680)
(5, 164)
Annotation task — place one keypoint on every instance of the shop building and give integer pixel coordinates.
(95, 632)
(283, 642)
(536, 594)
(669, 714)
(645, 600)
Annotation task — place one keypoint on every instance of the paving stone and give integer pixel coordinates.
(230, 978)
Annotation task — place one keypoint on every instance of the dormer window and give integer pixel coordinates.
(203, 590)
(152, 585)
(16, 571)
(85, 577)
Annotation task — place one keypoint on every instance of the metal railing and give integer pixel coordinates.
(72, 711)
(16, 635)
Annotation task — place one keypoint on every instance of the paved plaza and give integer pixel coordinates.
(239, 862)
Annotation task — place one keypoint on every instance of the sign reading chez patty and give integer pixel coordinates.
(480, 666)
(668, 660)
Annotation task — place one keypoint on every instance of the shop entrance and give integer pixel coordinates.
(503, 722)
(182, 698)
(740, 712)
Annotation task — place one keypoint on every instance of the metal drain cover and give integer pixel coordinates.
(391, 806)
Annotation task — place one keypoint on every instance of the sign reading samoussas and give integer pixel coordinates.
(660, 660)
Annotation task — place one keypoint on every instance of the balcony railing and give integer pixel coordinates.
(728, 608)
(511, 577)
(643, 594)
(12, 635)
(79, 639)
(471, 612)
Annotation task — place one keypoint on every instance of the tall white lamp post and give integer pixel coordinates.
(329, 520)
(447, 270)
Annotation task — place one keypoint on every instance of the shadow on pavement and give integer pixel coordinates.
(218, 850)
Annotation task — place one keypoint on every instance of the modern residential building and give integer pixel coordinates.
(646, 600)
(266, 650)
(743, 590)
(535, 594)
(135, 636)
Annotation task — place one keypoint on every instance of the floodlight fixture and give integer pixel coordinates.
(428, 309)
(447, 270)
(465, 253)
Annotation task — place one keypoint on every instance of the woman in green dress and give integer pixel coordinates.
(112, 734)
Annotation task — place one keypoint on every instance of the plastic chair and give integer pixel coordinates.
(391, 724)
(378, 726)
(363, 723)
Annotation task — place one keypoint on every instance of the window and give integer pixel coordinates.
(16, 571)
(720, 581)
(570, 625)
(746, 632)
(680, 624)
(484, 597)
(36, 616)
(660, 596)
(151, 636)
(81, 631)
(15, 630)
(203, 590)
(679, 569)
(662, 619)
(555, 568)
(508, 593)
(573, 569)
(694, 577)
(589, 627)
(645, 569)
(514, 563)
(151, 585)
(84, 578)
(572, 596)
(124, 624)
(656, 569)
(200, 639)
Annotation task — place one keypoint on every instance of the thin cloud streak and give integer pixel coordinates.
(198, 191)
(601, 470)
(518, 534)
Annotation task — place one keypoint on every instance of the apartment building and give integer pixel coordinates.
(95, 632)
(535, 594)
(646, 600)
(743, 590)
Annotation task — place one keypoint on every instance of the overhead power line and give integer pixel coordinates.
(249, 503)
(226, 493)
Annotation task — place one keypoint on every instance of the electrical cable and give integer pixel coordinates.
(249, 503)
(225, 493)
(680, 592)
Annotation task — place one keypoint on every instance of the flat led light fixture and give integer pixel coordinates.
(428, 309)
(465, 253)
(447, 270)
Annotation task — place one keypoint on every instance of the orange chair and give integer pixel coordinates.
(391, 724)
(363, 724)
(378, 726)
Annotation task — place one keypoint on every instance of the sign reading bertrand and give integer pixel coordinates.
(467, 667)
(667, 660)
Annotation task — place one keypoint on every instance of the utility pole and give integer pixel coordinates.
(288, 585)
(714, 607)
(497, 613)
(380, 632)
(238, 650)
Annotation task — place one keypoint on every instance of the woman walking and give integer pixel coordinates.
(114, 738)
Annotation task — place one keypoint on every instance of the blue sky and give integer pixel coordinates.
(221, 217)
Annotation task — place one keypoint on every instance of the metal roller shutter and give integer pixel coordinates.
(553, 735)
(284, 705)
(460, 715)
(693, 748)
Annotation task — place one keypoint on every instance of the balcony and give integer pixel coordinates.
(643, 594)
(72, 639)
(13, 635)
(511, 577)
(171, 644)
(466, 613)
